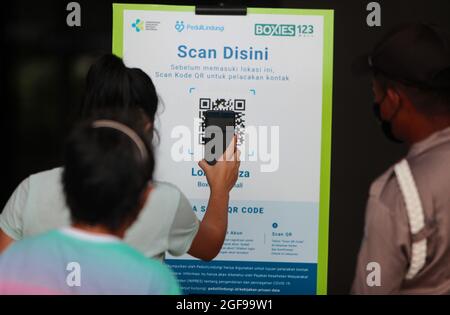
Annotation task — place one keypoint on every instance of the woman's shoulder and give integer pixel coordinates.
(168, 198)
(166, 189)
(48, 176)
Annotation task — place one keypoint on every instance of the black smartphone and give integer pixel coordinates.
(215, 121)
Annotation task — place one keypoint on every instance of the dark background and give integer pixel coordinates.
(44, 62)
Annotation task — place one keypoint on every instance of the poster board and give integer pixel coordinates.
(274, 68)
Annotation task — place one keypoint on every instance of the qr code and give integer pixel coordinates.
(236, 105)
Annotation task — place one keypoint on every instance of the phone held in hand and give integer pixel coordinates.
(219, 132)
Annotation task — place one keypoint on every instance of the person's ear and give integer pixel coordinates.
(393, 103)
(148, 127)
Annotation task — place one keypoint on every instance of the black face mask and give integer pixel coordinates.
(386, 126)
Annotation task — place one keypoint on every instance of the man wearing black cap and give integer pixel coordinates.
(406, 245)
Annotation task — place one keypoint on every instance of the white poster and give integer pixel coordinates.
(273, 67)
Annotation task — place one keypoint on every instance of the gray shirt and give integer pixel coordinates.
(167, 222)
(387, 237)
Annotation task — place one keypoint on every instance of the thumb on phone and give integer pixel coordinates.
(204, 165)
(229, 155)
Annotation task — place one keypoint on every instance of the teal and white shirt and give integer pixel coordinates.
(167, 222)
(72, 261)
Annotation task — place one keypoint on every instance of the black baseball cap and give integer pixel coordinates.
(415, 55)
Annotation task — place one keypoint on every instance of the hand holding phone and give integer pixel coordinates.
(223, 175)
(219, 132)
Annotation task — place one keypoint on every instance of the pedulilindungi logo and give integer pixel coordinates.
(179, 26)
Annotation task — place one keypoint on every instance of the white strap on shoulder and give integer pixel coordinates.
(415, 216)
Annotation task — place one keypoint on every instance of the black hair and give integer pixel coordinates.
(110, 85)
(105, 173)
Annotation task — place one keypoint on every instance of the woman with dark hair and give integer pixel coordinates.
(107, 177)
(167, 222)
(112, 85)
